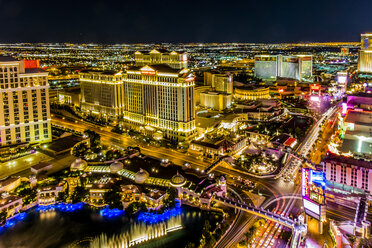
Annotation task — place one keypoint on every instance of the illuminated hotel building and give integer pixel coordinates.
(160, 97)
(102, 93)
(219, 81)
(348, 174)
(176, 60)
(24, 102)
(365, 54)
(270, 67)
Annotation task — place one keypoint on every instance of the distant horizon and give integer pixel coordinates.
(181, 43)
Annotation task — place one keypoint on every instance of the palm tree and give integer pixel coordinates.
(365, 243)
(351, 239)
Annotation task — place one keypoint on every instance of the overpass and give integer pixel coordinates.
(298, 226)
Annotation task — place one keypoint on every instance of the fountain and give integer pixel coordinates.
(138, 233)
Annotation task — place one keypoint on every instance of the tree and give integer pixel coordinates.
(134, 207)
(80, 150)
(62, 196)
(113, 199)
(79, 194)
(190, 245)
(93, 137)
(170, 200)
(365, 243)
(351, 239)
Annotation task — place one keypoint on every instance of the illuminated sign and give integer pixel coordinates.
(341, 79)
(281, 90)
(30, 64)
(314, 98)
(317, 176)
(317, 198)
(148, 72)
(305, 182)
(313, 207)
(315, 87)
(344, 108)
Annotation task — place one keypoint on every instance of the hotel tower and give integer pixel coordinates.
(365, 54)
(24, 102)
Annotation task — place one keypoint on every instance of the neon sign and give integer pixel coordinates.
(344, 108)
(305, 182)
(281, 90)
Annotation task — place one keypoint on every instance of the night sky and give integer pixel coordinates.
(145, 21)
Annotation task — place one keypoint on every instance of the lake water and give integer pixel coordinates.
(56, 228)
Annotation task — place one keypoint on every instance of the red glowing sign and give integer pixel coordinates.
(281, 90)
(305, 182)
(315, 87)
(30, 64)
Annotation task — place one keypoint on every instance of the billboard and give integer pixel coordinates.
(313, 192)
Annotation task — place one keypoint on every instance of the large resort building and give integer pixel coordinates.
(102, 93)
(161, 97)
(156, 95)
(176, 60)
(365, 54)
(24, 102)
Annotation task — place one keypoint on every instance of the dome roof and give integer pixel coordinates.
(141, 176)
(177, 180)
(78, 164)
(116, 166)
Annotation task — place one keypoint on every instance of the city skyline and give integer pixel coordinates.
(167, 21)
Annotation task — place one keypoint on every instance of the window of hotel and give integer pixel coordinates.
(333, 172)
(365, 179)
(354, 177)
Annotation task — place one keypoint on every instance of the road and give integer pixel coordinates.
(269, 188)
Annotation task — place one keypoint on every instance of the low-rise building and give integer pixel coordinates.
(11, 204)
(215, 100)
(9, 184)
(220, 81)
(70, 96)
(40, 167)
(48, 195)
(252, 93)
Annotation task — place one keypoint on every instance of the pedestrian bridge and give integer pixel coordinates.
(298, 226)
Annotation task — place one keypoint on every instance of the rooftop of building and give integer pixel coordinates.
(64, 143)
(360, 98)
(356, 146)
(160, 50)
(75, 90)
(206, 144)
(102, 72)
(157, 67)
(7, 59)
(216, 93)
(359, 117)
(7, 199)
(35, 70)
(40, 165)
(8, 181)
(347, 160)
